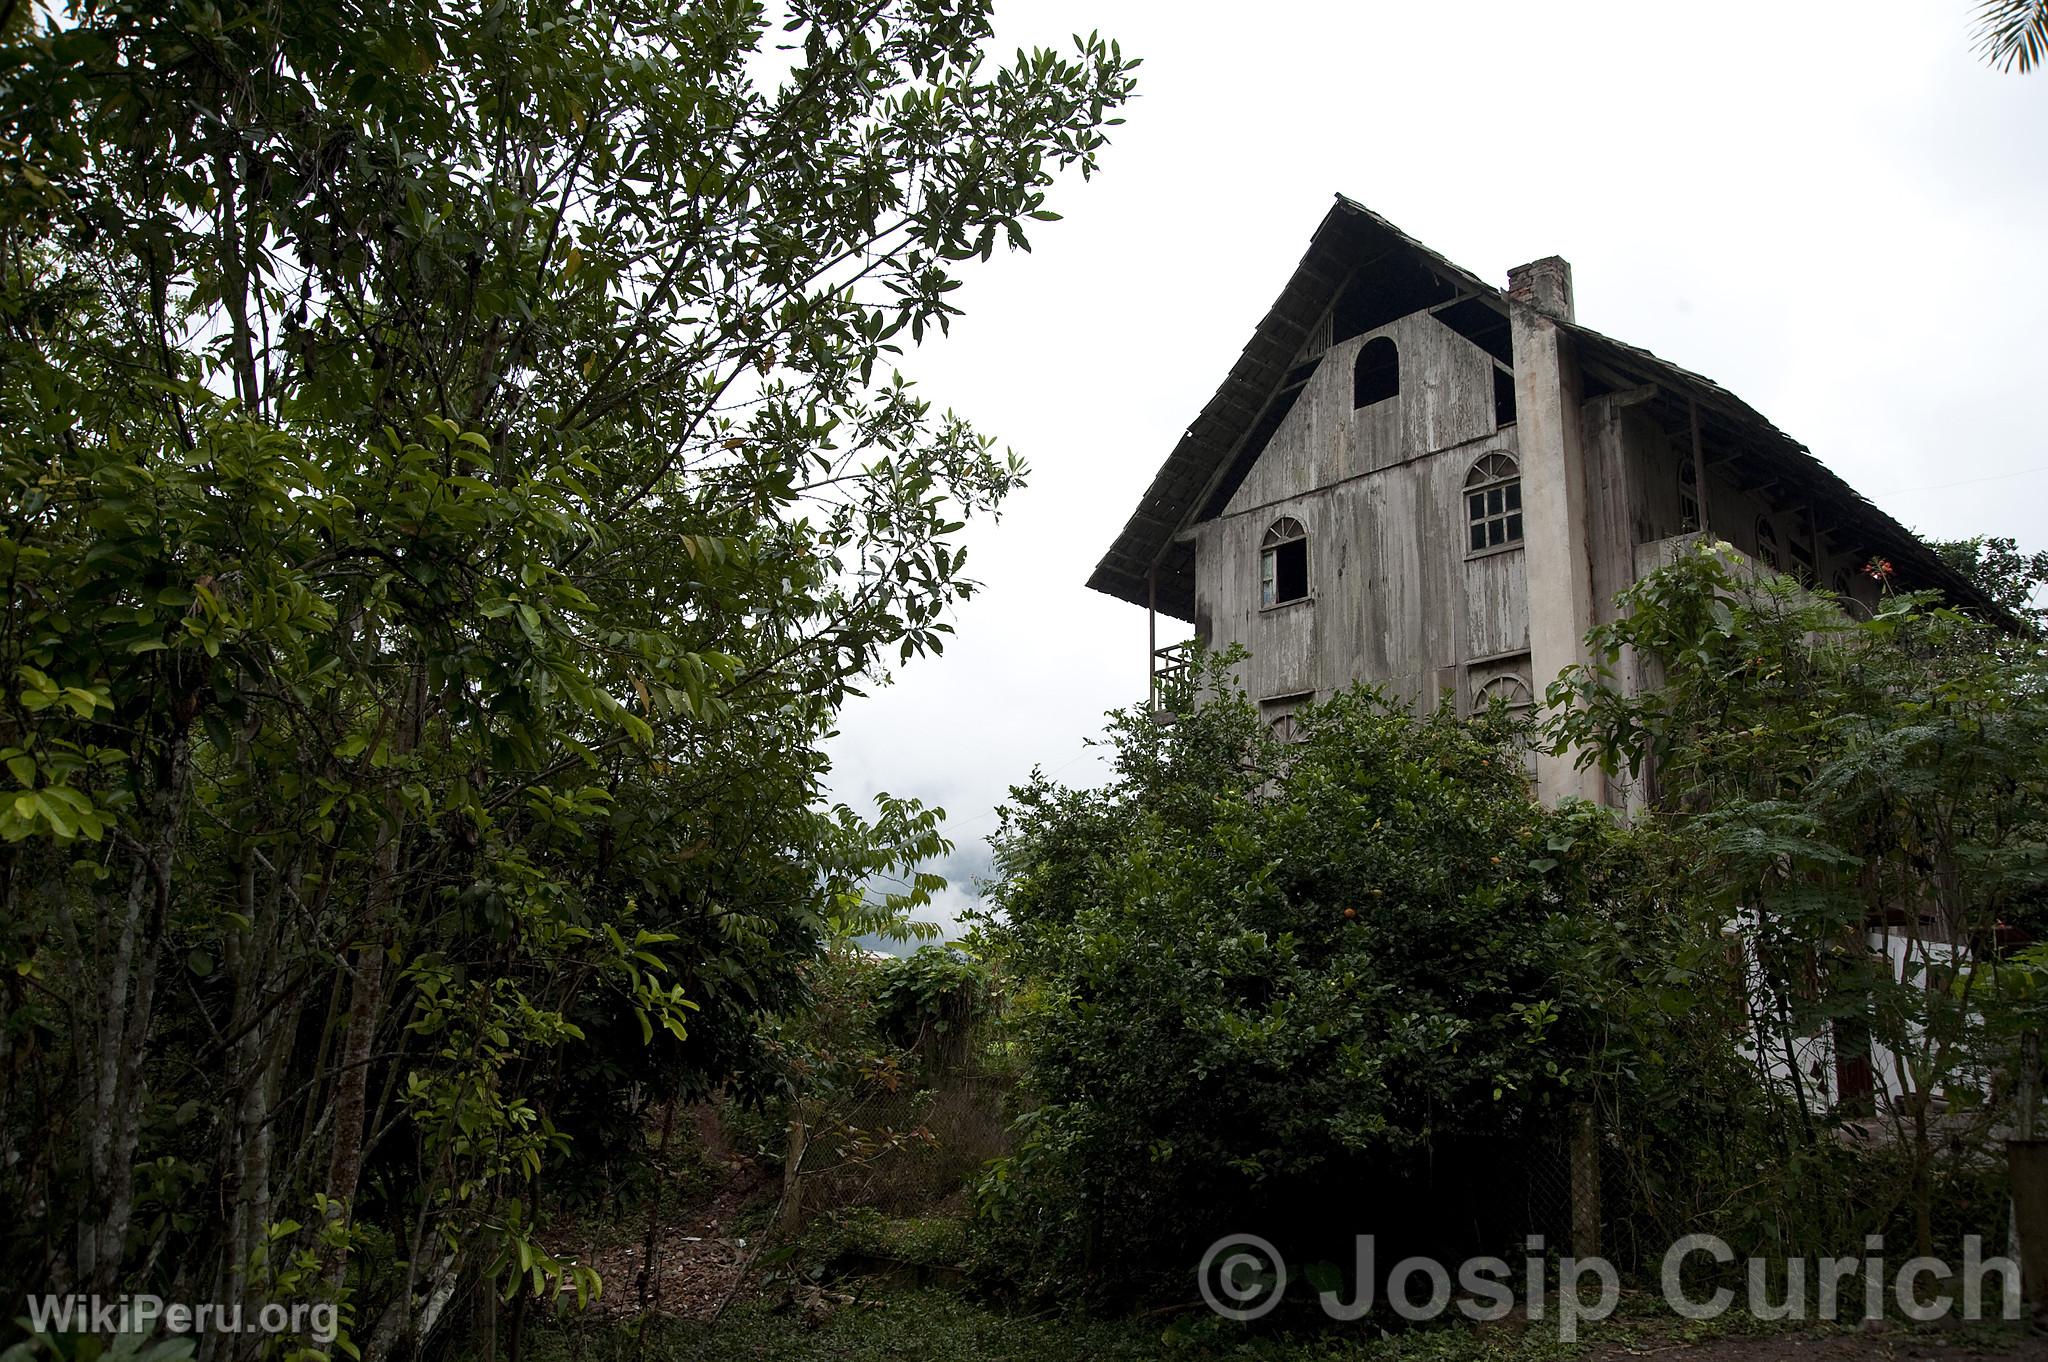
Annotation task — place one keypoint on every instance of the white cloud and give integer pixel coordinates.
(1833, 212)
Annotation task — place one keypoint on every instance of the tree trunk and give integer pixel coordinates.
(114, 1098)
(345, 1166)
(366, 999)
(1923, 1181)
(791, 1214)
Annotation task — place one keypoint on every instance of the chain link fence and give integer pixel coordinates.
(910, 1149)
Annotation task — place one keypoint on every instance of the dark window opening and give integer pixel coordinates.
(1802, 560)
(1283, 564)
(1688, 497)
(1396, 285)
(1767, 543)
(1378, 375)
(1503, 398)
(1482, 323)
(1288, 578)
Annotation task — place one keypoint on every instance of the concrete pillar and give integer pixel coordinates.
(1557, 546)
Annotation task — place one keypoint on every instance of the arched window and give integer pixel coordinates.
(1688, 497)
(1279, 712)
(1518, 701)
(1493, 503)
(1845, 596)
(1377, 375)
(1767, 542)
(1283, 563)
(1511, 690)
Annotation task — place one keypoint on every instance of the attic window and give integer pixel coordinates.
(1377, 375)
(1283, 564)
(1503, 398)
(1493, 503)
(1688, 497)
(1767, 542)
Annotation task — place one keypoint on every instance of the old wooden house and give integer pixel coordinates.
(1414, 478)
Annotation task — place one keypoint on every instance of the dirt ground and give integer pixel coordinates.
(697, 1257)
(701, 1254)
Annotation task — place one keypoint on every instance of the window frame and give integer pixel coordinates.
(1493, 687)
(1281, 534)
(1279, 713)
(1494, 477)
(1805, 564)
(1767, 544)
(1518, 700)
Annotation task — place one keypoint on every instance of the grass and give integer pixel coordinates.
(904, 1316)
(924, 1324)
(934, 1325)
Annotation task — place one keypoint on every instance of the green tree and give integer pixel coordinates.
(1250, 971)
(454, 472)
(2010, 578)
(1864, 799)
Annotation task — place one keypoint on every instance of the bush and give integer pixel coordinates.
(1248, 971)
(884, 1103)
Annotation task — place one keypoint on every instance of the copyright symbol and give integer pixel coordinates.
(1241, 1277)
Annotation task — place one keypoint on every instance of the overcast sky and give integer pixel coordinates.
(1833, 210)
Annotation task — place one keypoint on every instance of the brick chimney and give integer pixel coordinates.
(1545, 285)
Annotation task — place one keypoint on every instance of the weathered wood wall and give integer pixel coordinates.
(1394, 597)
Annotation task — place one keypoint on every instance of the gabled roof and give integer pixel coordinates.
(1366, 272)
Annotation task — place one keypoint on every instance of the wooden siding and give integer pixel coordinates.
(1394, 598)
(1496, 605)
(1446, 399)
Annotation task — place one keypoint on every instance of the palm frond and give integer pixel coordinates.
(2012, 32)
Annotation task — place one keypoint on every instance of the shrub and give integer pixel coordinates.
(1248, 971)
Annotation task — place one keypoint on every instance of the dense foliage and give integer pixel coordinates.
(2009, 577)
(453, 475)
(1864, 798)
(1249, 970)
(880, 1054)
